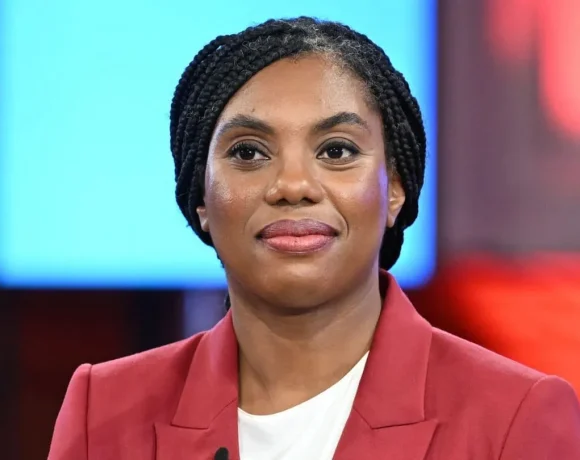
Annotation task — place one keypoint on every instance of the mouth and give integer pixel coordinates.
(298, 236)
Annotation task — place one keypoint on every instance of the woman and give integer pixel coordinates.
(299, 154)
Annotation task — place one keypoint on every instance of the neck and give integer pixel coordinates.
(288, 359)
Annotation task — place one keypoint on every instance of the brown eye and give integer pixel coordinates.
(338, 152)
(247, 152)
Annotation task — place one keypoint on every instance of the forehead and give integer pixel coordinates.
(307, 88)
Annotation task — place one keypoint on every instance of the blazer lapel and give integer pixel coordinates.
(206, 417)
(181, 443)
(405, 442)
(388, 419)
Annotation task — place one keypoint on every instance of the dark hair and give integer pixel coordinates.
(224, 65)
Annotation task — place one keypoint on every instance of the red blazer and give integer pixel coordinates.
(424, 394)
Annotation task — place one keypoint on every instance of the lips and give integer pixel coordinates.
(297, 236)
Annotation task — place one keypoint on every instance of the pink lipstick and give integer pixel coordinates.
(297, 236)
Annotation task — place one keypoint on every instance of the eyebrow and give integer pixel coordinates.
(341, 118)
(326, 124)
(245, 121)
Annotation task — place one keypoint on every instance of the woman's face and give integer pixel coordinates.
(297, 194)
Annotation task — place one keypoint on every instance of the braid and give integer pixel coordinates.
(223, 66)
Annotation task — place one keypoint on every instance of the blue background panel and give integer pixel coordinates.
(86, 175)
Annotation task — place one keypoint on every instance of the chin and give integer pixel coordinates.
(300, 287)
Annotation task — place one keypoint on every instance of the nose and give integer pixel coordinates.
(294, 182)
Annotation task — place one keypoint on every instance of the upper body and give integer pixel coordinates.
(299, 156)
(424, 394)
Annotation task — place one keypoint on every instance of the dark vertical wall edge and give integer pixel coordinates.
(9, 352)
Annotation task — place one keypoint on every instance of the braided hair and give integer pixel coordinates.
(224, 65)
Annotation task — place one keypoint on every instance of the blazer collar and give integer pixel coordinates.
(390, 394)
(388, 417)
(207, 413)
(212, 381)
(396, 370)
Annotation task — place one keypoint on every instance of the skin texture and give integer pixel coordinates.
(302, 320)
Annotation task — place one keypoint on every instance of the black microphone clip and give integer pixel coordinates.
(221, 454)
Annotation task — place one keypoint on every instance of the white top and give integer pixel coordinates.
(308, 431)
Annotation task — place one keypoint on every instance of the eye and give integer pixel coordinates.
(247, 152)
(338, 152)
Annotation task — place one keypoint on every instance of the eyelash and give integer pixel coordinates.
(336, 144)
(240, 146)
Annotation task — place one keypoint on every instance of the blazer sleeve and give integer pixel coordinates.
(546, 425)
(69, 440)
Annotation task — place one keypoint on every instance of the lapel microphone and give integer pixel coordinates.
(221, 454)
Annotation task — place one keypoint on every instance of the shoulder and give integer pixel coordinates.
(150, 381)
(148, 365)
(511, 404)
(111, 405)
(468, 377)
(546, 423)
(470, 363)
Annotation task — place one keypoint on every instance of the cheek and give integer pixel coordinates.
(219, 193)
(228, 204)
(366, 202)
(220, 200)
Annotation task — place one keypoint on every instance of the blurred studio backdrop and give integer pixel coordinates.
(96, 261)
